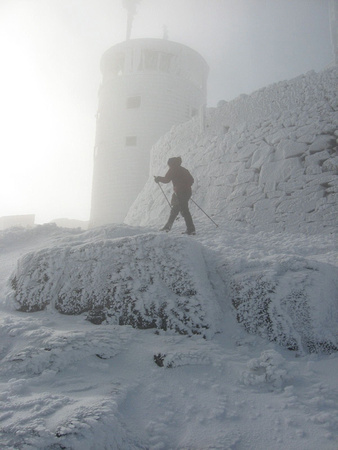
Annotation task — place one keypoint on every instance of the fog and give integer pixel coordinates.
(50, 76)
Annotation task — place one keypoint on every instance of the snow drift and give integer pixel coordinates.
(268, 160)
(147, 281)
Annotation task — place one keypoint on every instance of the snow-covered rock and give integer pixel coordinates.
(267, 370)
(291, 301)
(147, 281)
(276, 147)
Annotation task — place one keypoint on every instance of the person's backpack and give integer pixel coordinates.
(188, 178)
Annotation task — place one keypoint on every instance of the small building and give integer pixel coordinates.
(25, 220)
(148, 85)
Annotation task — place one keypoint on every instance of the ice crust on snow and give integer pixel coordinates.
(26, 420)
(268, 160)
(147, 281)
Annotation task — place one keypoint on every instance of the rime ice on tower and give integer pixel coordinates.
(148, 85)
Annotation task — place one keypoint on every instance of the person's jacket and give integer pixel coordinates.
(181, 178)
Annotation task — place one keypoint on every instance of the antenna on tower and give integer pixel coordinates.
(130, 6)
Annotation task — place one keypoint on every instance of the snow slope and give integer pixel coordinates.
(67, 383)
(268, 160)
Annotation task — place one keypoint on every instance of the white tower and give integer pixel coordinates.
(148, 85)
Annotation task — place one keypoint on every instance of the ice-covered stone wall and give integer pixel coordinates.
(269, 160)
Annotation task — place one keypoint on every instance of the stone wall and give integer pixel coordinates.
(269, 160)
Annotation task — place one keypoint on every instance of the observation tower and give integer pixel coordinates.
(148, 85)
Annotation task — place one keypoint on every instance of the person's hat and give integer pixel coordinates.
(175, 161)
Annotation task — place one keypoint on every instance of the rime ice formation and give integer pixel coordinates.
(129, 276)
(285, 301)
(147, 281)
(268, 160)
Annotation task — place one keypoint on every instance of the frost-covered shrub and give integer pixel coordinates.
(146, 281)
(292, 301)
(269, 369)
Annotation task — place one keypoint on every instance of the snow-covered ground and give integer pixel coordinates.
(69, 384)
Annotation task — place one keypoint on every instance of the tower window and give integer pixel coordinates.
(133, 102)
(131, 141)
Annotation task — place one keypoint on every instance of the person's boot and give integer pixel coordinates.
(166, 228)
(190, 224)
(189, 232)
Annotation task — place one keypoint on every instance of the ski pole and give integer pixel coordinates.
(204, 212)
(164, 194)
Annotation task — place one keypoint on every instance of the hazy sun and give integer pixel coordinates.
(24, 116)
(39, 138)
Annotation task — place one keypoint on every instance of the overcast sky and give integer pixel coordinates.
(50, 54)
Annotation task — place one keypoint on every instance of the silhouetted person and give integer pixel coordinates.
(182, 181)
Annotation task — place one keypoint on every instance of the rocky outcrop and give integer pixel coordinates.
(146, 281)
(291, 301)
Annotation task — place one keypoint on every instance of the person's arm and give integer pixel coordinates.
(166, 179)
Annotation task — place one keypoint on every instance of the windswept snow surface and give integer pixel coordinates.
(69, 384)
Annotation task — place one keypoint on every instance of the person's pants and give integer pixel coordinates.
(180, 204)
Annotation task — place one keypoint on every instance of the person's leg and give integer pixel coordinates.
(175, 209)
(184, 209)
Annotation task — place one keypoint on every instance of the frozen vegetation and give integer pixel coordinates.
(147, 281)
(123, 337)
